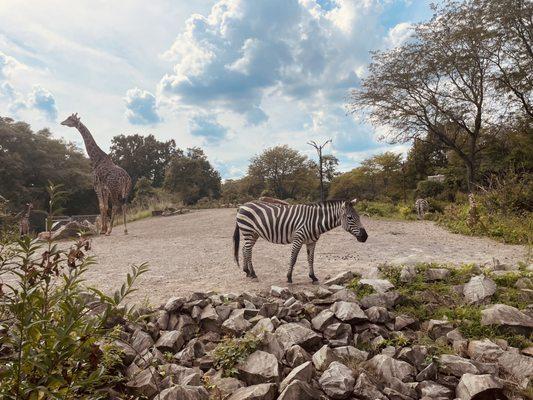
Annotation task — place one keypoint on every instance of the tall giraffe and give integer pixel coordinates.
(24, 225)
(111, 183)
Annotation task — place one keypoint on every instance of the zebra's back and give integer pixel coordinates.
(274, 222)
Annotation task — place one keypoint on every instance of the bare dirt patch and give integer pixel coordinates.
(193, 252)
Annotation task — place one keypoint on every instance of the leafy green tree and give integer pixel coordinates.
(285, 172)
(192, 177)
(29, 160)
(143, 156)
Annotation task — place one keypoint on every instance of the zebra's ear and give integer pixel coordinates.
(353, 202)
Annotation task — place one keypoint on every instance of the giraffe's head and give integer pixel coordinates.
(72, 121)
(351, 222)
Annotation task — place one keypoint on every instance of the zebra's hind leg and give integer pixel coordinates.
(310, 261)
(249, 241)
(296, 246)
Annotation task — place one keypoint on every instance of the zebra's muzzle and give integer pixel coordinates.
(362, 236)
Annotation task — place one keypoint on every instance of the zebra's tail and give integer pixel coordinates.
(236, 242)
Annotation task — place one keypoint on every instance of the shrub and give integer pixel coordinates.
(232, 351)
(54, 343)
(429, 188)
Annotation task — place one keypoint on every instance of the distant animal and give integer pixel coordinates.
(24, 224)
(422, 207)
(111, 183)
(296, 224)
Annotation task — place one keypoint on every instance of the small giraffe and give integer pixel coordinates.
(111, 183)
(24, 225)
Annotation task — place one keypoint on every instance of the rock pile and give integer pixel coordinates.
(319, 344)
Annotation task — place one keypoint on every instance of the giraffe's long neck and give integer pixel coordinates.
(96, 154)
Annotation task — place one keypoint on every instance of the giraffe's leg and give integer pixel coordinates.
(310, 261)
(296, 246)
(249, 242)
(104, 210)
(124, 218)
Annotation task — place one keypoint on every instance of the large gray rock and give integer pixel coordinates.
(437, 328)
(484, 350)
(479, 288)
(433, 390)
(262, 326)
(182, 392)
(519, 368)
(457, 366)
(437, 274)
(501, 314)
(170, 341)
(141, 341)
(236, 324)
(299, 390)
(271, 344)
(478, 386)
(338, 334)
(337, 381)
(174, 304)
(182, 375)
(293, 333)
(281, 292)
(323, 319)
(377, 314)
(348, 312)
(303, 372)
(366, 390)
(264, 391)
(387, 368)
(350, 354)
(259, 367)
(387, 300)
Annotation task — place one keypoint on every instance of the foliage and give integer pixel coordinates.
(143, 156)
(55, 343)
(427, 188)
(360, 289)
(192, 177)
(231, 351)
(28, 160)
(386, 210)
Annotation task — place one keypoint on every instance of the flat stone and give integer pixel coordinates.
(337, 381)
(265, 391)
(338, 334)
(457, 366)
(263, 325)
(341, 278)
(259, 367)
(428, 373)
(437, 328)
(403, 321)
(377, 314)
(182, 375)
(479, 288)
(501, 314)
(517, 366)
(350, 354)
(348, 312)
(146, 382)
(181, 392)
(387, 368)
(379, 285)
(344, 295)
(478, 386)
(174, 304)
(281, 292)
(299, 390)
(387, 300)
(303, 372)
(293, 333)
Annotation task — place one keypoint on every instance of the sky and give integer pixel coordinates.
(232, 76)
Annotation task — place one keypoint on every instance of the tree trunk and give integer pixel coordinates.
(470, 175)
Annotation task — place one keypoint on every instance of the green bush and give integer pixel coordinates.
(54, 342)
(232, 351)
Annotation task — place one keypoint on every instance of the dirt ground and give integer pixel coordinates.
(193, 252)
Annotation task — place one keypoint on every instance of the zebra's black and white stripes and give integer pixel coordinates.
(297, 224)
(422, 207)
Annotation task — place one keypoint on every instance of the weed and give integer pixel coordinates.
(232, 351)
(360, 289)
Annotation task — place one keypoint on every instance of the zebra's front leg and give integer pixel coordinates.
(296, 246)
(310, 261)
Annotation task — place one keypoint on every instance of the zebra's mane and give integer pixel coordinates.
(330, 201)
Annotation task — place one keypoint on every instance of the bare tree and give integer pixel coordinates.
(320, 160)
(438, 84)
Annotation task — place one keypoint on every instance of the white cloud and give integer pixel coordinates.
(141, 107)
(399, 34)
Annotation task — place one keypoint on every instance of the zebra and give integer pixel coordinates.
(24, 223)
(297, 224)
(422, 207)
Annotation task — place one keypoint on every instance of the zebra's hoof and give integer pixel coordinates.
(254, 279)
(315, 282)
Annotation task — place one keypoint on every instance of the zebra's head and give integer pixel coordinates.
(351, 222)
